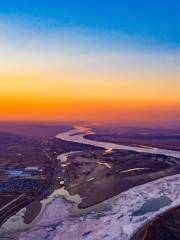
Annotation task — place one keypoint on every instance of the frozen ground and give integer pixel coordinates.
(112, 222)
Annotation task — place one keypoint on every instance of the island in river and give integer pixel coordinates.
(88, 179)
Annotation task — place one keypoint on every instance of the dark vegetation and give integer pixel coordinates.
(164, 227)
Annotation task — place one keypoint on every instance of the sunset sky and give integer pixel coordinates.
(93, 60)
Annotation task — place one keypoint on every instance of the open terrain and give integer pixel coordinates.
(28, 163)
(167, 138)
(105, 182)
(99, 175)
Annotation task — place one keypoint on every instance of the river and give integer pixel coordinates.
(78, 135)
(118, 210)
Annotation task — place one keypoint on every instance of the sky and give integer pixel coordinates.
(93, 60)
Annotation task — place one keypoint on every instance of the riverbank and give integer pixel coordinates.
(114, 219)
(60, 217)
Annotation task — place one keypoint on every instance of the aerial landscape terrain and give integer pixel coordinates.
(56, 170)
(89, 120)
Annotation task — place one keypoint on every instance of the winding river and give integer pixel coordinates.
(78, 133)
(114, 219)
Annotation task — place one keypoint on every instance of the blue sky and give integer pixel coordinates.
(156, 22)
(125, 51)
(90, 34)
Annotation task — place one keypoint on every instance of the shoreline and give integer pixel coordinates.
(77, 135)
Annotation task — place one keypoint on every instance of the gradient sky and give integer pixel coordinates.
(93, 60)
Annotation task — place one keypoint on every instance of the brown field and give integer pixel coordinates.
(97, 176)
(168, 138)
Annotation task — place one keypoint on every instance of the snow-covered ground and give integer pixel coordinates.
(111, 220)
(114, 221)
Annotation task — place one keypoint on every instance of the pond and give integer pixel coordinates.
(18, 173)
(153, 205)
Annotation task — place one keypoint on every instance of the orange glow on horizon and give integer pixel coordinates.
(87, 96)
